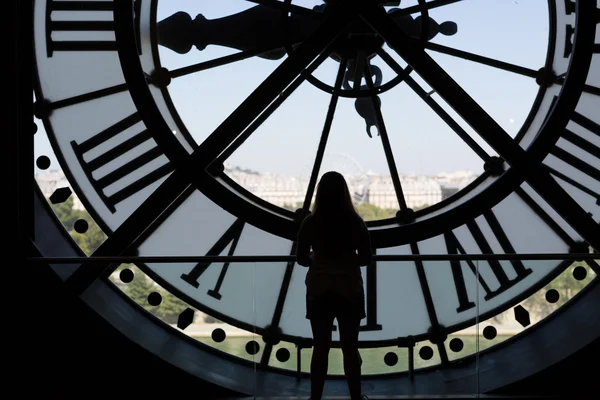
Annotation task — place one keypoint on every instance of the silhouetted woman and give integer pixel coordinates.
(340, 244)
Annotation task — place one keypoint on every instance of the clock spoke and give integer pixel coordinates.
(221, 61)
(548, 220)
(426, 97)
(482, 60)
(560, 80)
(324, 136)
(435, 329)
(285, 6)
(270, 110)
(97, 94)
(568, 208)
(273, 329)
(381, 130)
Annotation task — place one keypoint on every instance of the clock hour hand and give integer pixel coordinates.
(265, 27)
(256, 27)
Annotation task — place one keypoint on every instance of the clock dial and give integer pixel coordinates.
(147, 114)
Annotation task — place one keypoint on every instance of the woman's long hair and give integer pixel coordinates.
(333, 197)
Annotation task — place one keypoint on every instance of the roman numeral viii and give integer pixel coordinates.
(231, 236)
(126, 164)
(454, 246)
(82, 26)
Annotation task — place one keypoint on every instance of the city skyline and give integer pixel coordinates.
(288, 190)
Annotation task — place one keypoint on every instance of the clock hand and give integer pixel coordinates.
(264, 27)
(258, 26)
(124, 239)
(524, 162)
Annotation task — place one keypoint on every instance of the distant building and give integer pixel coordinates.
(453, 182)
(378, 190)
(418, 192)
(289, 190)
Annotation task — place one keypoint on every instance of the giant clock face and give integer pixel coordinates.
(148, 104)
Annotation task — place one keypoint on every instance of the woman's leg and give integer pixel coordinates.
(321, 329)
(349, 327)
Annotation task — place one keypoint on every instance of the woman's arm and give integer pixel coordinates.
(304, 242)
(364, 245)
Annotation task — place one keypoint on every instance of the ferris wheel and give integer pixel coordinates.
(356, 177)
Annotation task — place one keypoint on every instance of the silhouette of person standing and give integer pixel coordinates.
(340, 244)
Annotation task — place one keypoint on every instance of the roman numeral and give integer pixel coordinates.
(570, 31)
(232, 235)
(371, 300)
(587, 164)
(66, 20)
(106, 155)
(454, 247)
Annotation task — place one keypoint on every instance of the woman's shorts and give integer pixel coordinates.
(331, 305)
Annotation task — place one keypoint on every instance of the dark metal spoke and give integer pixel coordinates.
(88, 96)
(435, 107)
(292, 8)
(387, 148)
(591, 89)
(482, 60)
(428, 299)
(428, 6)
(559, 80)
(553, 193)
(273, 329)
(324, 136)
(218, 62)
(270, 110)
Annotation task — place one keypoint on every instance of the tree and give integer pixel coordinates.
(370, 212)
(564, 284)
(139, 289)
(141, 286)
(170, 307)
(88, 241)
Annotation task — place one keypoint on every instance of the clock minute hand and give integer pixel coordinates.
(256, 27)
